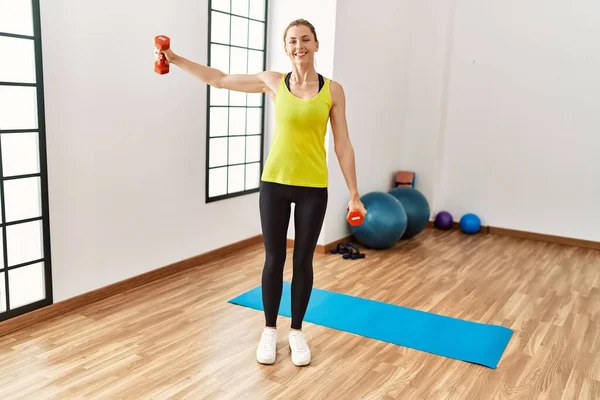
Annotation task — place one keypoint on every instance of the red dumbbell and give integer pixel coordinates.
(161, 65)
(355, 218)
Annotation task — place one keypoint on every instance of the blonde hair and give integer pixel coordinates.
(300, 21)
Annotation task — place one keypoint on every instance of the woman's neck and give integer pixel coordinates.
(302, 74)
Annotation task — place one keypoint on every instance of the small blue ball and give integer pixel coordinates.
(470, 223)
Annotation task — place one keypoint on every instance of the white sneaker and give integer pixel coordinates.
(299, 347)
(266, 351)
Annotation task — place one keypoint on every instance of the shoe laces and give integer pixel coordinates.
(298, 342)
(269, 339)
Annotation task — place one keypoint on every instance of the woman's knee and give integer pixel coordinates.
(274, 262)
(303, 263)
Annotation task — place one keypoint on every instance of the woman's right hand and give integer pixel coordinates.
(168, 53)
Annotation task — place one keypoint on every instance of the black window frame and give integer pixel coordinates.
(42, 174)
(262, 107)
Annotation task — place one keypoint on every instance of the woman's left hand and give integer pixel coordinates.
(356, 204)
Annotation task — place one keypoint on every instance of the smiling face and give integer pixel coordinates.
(301, 44)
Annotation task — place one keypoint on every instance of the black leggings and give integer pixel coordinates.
(275, 207)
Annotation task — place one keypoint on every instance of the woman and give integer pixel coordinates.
(295, 172)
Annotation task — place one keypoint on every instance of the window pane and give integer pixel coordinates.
(219, 57)
(217, 182)
(19, 64)
(239, 7)
(218, 97)
(219, 28)
(222, 5)
(255, 61)
(257, 35)
(16, 17)
(20, 153)
(252, 176)
(26, 285)
(237, 98)
(252, 148)
(254, 124)
(18, 107)
(236, 178)
(237, 150)
(218, 121)
(23, 199)
(255, 99)
(218, 152)
(2, 295)
(24, 242)
(237, 121)
(239, 61)
(239, 31)
(257, 9)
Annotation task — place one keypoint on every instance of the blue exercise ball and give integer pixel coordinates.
(417, 209)
(384, 223)
(470, 223)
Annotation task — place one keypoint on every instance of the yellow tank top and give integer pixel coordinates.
(297, 156)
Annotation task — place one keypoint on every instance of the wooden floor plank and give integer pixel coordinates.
(178, 338)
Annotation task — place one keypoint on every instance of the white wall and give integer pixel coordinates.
(521, 133)
(320, 13)
(430, 46)
(126, 147)
(371, 63)
(491, 103)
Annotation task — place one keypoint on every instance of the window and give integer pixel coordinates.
(235, 120)
(25, 279)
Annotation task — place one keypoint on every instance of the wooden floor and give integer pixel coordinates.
(179, 338)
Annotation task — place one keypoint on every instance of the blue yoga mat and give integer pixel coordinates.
(472, 342)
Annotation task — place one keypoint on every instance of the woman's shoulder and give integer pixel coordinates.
(335, 85)
(336, 89)
(271, 75)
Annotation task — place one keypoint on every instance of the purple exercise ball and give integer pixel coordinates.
(443, 220)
